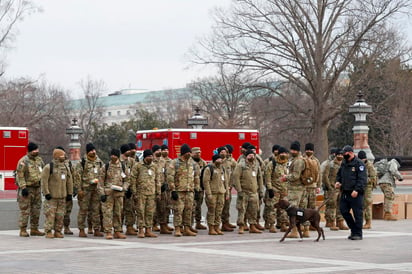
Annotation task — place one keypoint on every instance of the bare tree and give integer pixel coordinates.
(308, 43)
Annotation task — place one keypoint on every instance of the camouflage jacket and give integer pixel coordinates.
(273, 176)
(372, 176)
(296, 167)
(89, 175)
(59, 184)
(144, 179)
(183, 175)
(317, 179)
(392, 173)
(329, 172)
(247, 177)
(218, 183)
(229, 164)
(160, 163)
(29, 171)
(113, 176)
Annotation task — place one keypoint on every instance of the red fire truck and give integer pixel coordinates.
(13, 146)
(207, 139)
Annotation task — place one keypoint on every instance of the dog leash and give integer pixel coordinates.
(324, 203)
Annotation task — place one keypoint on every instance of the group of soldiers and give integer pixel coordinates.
(143, 194)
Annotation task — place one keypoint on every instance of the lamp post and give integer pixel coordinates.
(74, 131)
(360, 109)
(197, 121)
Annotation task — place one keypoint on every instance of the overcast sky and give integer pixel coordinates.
(126, 43)
(137, 44)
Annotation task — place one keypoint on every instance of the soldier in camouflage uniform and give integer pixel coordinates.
(183, 179)
(57, 187)
(269, 209)
(295, 185)
(146, 186)
(248, 182)
(216, 187)
(128, 209)
(311, 190)
(387, 184)
(86, 177)
(112, 186)
(197, 207)
(334, 219)
(229, 165)
(165, 203)
(28, 176)
(276, 188)
(368, 199)
(261, 163)
(158, 162)
(243, 149)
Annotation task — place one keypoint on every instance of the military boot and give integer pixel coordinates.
(178, 233)
(141, 233)
(246, 227)
(164, 230)
(253, 229)
(294, 233)
(67, 230)
(90, 230)
(389, 217)
(36, 232)
(272, 228)
(130, 231)
(306, 233)
(119, 235)
(188, 231)
(231, 226)
(212, 230)
(98, 233)
(241, 229)
(58, 234)
(283, 227)
(200, 226)
(194, 230)
(82, 233)
(109, 236)
(218, 231)
(149, 233)
(23, 232)
(226, 227)
(156, 228)
(258, 226)
(169, 228)
(49, 235)
(367, 225)
(333, 227)
(341, 225)
(267, 225)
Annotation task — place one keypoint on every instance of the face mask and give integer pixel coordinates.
(34, 154)
(165, 153)
(339, 158)
(283, 157)
(218, 164)
(148, 160)
(294, 154)
(250, 159)
(91, 154)
(132, 154)
(61, 160)
(309, 153)
(346, 156)
(187, 156)
(158, 154)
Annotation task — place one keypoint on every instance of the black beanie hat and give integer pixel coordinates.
(295, 146)
(221, 148)
(163, 147)
(251, 147)
(333, 150)
(215, 157)
(275, 147)
(32, 146)
(249, 151)
(115, 152)
(246, 145)
(89, 147)
(229, 148)
(339, 152)
(362, 155)
(60, 147)
(282, 150)
(124, 148)
(147, 152)
(185, 148)
(310, 146)
(155, 148)
(132, 145)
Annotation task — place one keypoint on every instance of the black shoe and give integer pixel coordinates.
(350, 237)
(356, 238)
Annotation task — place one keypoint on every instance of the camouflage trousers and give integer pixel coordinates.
(308, 200)
(389, 196)
(182, 208)
(367, 203)
(112, 213)
(332, 211)
(129, 210)
(271, 212)
(146, 206)
(295, 194)
(67, 213)
(215, 205)
(30, 207)
(89, 203)
(197, 208)
(54, 210)
(226, 208)
(163, 208)
(247, 205)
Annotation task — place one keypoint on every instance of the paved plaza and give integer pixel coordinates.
(387, 248)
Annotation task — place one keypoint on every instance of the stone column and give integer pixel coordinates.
(74, 146)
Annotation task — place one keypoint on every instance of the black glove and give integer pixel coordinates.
(197, 195)
(400, 180)
(74, 192)
(175, 196)
(103, 198)
(24, 192)
(164, 187)
(271, 193)
(48, 197)
(128, 193)
(69, 197)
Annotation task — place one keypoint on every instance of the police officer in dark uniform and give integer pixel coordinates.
(351, 179)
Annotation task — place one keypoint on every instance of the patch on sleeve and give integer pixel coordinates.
(361, 168)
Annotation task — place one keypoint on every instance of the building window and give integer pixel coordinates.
(193, 135)
(109, 114)
(6, 134)
(128, 112)
(118, 113)
(241, 136)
